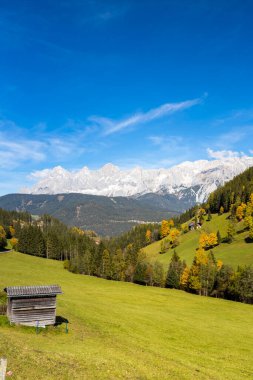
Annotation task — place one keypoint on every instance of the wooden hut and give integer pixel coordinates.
(32, 305)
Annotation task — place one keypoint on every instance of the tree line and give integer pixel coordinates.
(209, 277)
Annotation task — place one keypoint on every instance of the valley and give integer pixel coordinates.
(107, 216)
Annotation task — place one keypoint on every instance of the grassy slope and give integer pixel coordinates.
(125, 331)
(239, 252)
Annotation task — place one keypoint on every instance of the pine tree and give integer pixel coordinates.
(222, 281)
(3, 240)
(231, 230)
(251, 232)
(209, 216)
(106, 264)
(174, 272)
(118, 265)
(218, 237)
(158, 274)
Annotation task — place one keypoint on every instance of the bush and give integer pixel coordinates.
(66, 264)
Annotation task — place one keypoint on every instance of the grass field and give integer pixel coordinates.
(125, 331)
(237, 253)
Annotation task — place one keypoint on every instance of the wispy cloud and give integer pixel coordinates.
(223, 154)
(110, 126)
(230, 138)
(42, 147)
(241, 115)
(12, 154)
(167, 142)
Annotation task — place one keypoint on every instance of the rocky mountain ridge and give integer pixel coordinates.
(189, 180)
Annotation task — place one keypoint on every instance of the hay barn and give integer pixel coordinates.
(32, 305)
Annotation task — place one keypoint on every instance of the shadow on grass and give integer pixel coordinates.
(60, 320)
(5, 250)
(248, 240)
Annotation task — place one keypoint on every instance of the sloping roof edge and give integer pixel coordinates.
(27, 291)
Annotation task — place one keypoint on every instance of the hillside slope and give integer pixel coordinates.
(124, 331)
(236, 253)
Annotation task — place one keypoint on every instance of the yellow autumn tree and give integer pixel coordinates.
(148, 236)
(208, 240)
(249, 209)
(184, 278)
(203, 240)
(78, 231)
(14, 242)
(165, 228)
(202, 211)
(174, 234)
(248, 221)
(12, 231)
(171, 223)
(219, 264)
(212, 239)
(240, 210)
(221, 210)
(201, 257)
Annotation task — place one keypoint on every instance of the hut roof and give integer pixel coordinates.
(27, 291)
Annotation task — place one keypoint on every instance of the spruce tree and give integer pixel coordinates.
(106, 264)
(218, 237)
(174, 272)
(231, 230)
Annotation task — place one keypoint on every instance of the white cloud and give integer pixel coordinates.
(41, 147)
(113, 126)
(13, 153)
(223, 154)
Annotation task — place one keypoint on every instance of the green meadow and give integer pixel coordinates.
(124, 331)
(236, 253)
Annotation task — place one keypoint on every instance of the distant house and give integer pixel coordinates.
(191, 226)
(194, 226)
(32, 305)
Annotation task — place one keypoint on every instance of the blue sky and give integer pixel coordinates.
(149, 83)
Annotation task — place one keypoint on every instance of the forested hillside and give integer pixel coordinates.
(108, 216)
(234, 192)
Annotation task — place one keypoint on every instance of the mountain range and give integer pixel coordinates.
(192, 181)
(110, 201)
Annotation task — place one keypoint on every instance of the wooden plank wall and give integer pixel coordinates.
(3, 309)
(30, 311)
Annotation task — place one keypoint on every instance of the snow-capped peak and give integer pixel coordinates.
(202, 177)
